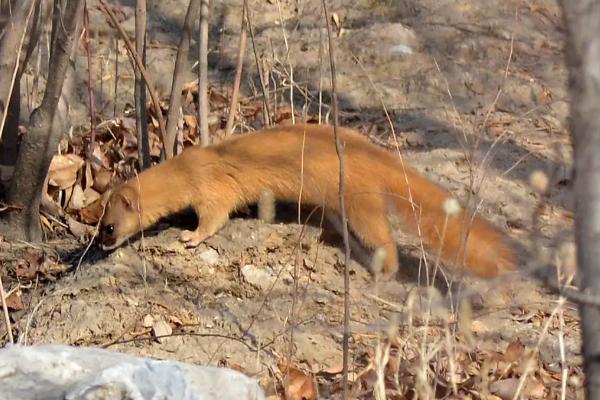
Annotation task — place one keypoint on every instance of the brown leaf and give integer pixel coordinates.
(297, 384)
(534, 389)
(514, 351)
(92, 212)
(190, 121)
(14, 301)
(191, 86)
(102, 179)
(63, 170)
(507, 388)
(30, 264)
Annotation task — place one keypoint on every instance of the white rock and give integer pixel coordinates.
(210, 256)
(257, 277)
(80, 373)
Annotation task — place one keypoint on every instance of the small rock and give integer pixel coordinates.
(274, 241)
(257, 277)
(210, 256)
(414, 139)
(400, 49)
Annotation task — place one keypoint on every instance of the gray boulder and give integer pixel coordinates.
(83, 373)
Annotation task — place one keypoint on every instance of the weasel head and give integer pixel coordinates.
(121, 218)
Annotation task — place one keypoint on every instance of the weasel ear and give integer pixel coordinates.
(125, 200)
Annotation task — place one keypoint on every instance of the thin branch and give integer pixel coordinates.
(116, 77)
(238, 71)
(141, 117)
(339, 148)
(140, 65)
(6, 315)
(181, 62)
(263, 85)
(90, 82)
(203, 74)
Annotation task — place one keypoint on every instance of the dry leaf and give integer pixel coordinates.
(297, 384)
(336, 20)
(63, 170)
(102, 179)
(174, 320)
(92, 212)
(534, 389)
(148, 321)
(161, 328)
(30, 264)
(506, 388)
(78, 229)
(514, 351)
(90, 196)
(190, 121)
(77, 201)
(14, 301)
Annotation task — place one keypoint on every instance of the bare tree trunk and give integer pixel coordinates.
(11, 68)
(582, 19)
(203, 74)
(46, 125)
(141, 117)
(181, 62)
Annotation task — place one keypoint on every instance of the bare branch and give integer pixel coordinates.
(339, 147)
(141, 117)
(238, 71)
(140, 66)
(203, 74)
(181, 62)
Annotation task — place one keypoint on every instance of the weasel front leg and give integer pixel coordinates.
(209, 223)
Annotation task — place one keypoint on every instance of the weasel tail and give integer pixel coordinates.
(300, 161)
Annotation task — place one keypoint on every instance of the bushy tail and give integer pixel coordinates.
(444, 227)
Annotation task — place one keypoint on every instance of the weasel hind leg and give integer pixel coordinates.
(371, 225)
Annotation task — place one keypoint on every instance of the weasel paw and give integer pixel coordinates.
(191, 238)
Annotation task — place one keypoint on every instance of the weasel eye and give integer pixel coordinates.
(109, 229)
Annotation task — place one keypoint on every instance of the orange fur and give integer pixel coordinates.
(216, 180)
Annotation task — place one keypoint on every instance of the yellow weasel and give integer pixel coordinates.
(301, 161)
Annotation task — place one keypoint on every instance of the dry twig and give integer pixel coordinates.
(340, 152)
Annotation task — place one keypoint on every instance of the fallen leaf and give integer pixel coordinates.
(78, 229)
(161, 328)
(63, 170)
(297, 384)
(190, 121)
(90, 196)
(102, 179)
(514, 351)
(14, 301)
(174, 320)
(148, 321)
(92, 212)
(77, 200)
(336, 19)
(30, 264)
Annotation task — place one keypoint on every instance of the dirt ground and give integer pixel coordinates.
(475, 92)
